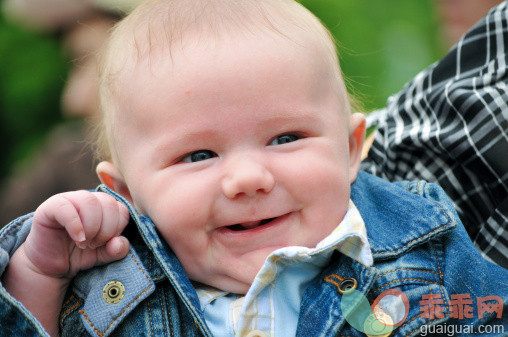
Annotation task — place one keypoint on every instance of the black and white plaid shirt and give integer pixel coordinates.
(449, 125)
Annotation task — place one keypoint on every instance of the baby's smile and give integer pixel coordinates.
(250, 225)
(253, 226)
(248, 236)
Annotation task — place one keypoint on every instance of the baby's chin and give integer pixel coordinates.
(236, 276)
(226, 284)
(235, 287)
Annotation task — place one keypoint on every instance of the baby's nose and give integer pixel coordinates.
(246, 176)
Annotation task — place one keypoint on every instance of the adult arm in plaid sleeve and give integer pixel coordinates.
(449, 125)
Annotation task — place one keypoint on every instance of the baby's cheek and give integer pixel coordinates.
(320, 174)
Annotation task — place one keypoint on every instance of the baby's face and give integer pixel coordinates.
(235, 151)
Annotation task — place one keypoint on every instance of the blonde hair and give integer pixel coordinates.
(160, 24)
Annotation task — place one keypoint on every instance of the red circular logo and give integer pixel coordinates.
(391, 302)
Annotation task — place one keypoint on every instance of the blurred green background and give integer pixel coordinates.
(382, 45)
(32, 75)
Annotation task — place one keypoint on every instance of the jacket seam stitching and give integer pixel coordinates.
(441, 276)
(164, 291)
(139, 267)
(91, 324)
(69, 300)
(412, 269)
(74, 306)
(161, 302)
(150, 316)
(401, 280)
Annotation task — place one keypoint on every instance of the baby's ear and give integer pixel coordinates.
(356, 139)
(111, 176)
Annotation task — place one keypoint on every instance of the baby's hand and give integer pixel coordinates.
(74, 231)
(70, 232)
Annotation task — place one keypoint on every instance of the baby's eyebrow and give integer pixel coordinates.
(182, 137)
(299, 121)
(293, 118)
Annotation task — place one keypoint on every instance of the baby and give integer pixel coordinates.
(232, 202)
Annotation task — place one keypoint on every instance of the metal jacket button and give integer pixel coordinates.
(347, 284)
(113, 292)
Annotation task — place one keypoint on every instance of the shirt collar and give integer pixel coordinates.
(349, 238)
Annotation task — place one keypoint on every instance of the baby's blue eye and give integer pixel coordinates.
(199, 156)
(283, 139)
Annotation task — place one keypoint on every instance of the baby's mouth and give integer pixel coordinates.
(249, 225)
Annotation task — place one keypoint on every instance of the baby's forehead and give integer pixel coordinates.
(164, 26)
(150, 56)
(190, 56)
(235, 54)
(229, 54)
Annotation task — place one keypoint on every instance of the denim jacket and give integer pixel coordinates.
(418, 244)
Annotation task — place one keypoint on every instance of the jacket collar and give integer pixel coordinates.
(396, 216)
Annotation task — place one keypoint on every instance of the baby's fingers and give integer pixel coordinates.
(115, 249)
(89, 208)
(58, 212)
(90, 219)
(114, 218)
